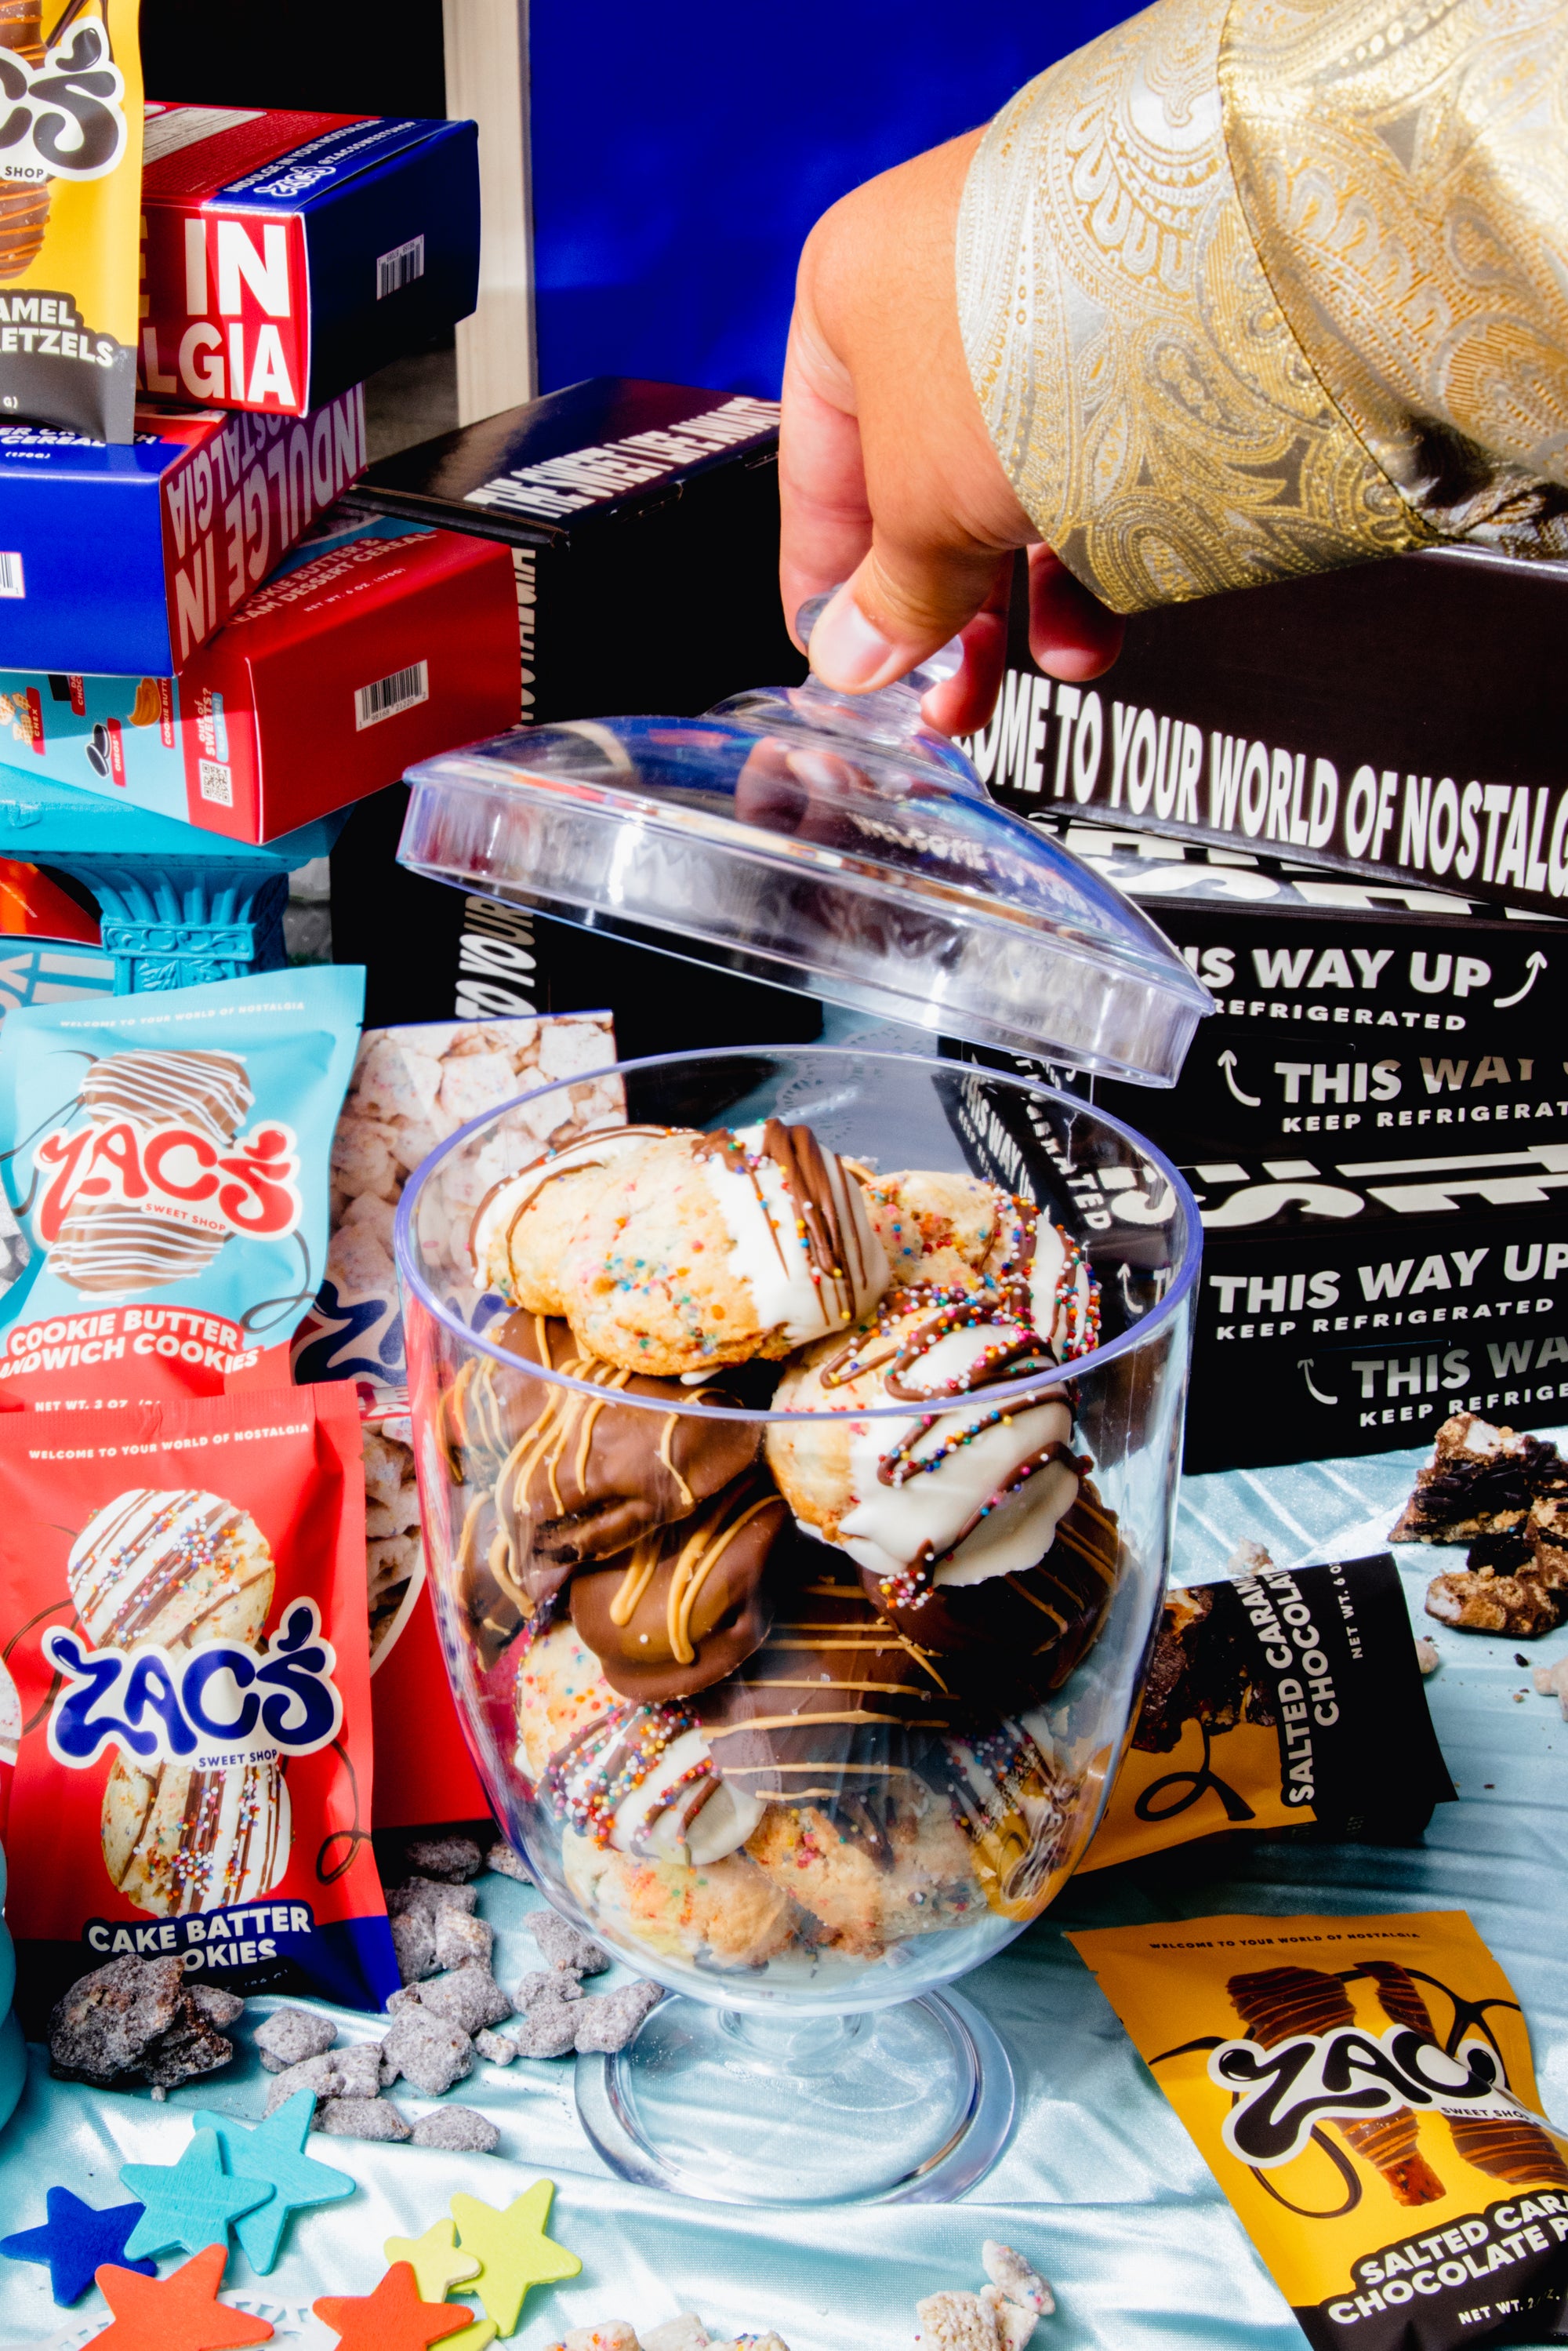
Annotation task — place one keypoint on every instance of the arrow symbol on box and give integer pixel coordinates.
(1535, 966)
(1304, 1365)
(1228, 1063)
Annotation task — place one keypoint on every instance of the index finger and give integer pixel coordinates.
(825, 514)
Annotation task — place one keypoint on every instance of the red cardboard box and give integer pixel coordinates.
(285, 256)
(374, 644)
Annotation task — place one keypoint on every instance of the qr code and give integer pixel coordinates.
(215, 783)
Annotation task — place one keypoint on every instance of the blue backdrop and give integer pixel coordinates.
(681, 154)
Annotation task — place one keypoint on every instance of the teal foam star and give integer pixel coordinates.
(190, 2203)
(274, 2152)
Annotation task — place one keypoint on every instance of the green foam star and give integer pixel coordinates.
(515, 2249)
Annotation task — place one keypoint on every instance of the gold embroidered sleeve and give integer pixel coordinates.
(1161, 422)
(1403, 171)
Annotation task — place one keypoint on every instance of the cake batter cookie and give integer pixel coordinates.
(171, 1567)
(179, 1840)
(686, 1605)
(947, 1230)
(529, 1225)
(959, 1488)
(902, 1869)
(729, 1915)
(693, 1250)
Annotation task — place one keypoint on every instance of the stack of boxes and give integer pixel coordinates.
(1376, 1119)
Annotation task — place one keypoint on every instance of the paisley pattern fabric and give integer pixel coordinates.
(1255, 290)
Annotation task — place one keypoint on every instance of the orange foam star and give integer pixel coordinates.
(392, 2318)
(179, 2313)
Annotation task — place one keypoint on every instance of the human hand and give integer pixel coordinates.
(887, 477)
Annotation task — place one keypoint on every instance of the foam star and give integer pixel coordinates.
(437, 2263)
(392, 2318)
(74, 2241)
(190, 2203)
(273, 2154)
(179, 2313)
(438, 2266)
(514, 2249)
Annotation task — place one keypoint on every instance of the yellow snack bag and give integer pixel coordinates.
(1362, 2090)
(70, 194)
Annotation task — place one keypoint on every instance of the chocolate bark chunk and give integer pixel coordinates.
(686, 1606)
(1477, 1476)
(1485, 1603)
(1200, 1672)
(134, 2021)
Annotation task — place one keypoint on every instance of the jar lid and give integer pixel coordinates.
(825, 842)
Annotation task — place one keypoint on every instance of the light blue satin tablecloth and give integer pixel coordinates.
(1100, 2185)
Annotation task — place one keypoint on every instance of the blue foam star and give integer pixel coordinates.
(274, 2153)
(190, 2203)
(74, 2240)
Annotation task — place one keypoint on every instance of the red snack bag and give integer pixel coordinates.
(185, 1583)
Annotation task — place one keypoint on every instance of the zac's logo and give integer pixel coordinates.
(63, 119)
(1347, 2075)
(219, 1703)
(246, 1188)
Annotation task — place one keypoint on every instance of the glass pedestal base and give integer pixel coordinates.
(909, 2104)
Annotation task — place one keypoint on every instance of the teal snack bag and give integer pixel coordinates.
(166, 1158)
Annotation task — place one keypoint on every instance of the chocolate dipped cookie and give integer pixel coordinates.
(689, 1251)
(956, 1487)
(687, 1605)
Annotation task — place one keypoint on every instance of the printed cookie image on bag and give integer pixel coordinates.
(1362, 2089)
(193, 1676)
(70, 188)
(167, 1162)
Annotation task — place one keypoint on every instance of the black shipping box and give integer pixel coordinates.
(643, 524)
(1404, 720)
(1376, 1125)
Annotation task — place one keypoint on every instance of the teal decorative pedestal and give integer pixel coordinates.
(178, 906)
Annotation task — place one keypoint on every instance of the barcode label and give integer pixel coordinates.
(398, 267)
(390, 694)
(11, 576)
(216, 782)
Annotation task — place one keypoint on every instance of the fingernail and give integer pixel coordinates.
(847, 651)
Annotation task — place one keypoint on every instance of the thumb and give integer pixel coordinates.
(897, 608)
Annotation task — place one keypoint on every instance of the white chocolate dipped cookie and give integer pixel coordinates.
(959, 1490)
(173, 1567)
(955, 1230)
(635, 1780)
(717, 1249)
(179, 1840)
(530, 1226)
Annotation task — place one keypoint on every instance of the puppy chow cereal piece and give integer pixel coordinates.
(189, 2047)
(445, 1898)
(549, 2029)
(459, 2130)
(564, 1946)
(414, 1940)
(383, 1461)
(360, 2065)
(468, 1997)
(495, 2047)
(1429, 1660)
(544, 1984)
(362, 2118)
(1012, 2274)
(956, 2321)
(607, 2020)
(454, 1858)
(290, 2035)
(1552, 1681)
(506, 1862)
(134, 2021)
(1014, 2324)
(685, 2333)
(462, 1941)
(319, 2074)
(429, 2052)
